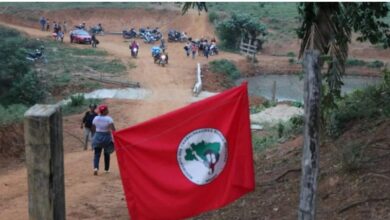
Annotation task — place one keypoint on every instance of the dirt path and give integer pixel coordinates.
(101, 197)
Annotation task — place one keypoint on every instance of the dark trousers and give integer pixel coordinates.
(96, 159)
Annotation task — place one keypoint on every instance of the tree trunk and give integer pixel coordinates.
(310, 157)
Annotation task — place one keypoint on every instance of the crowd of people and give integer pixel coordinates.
(202, 47)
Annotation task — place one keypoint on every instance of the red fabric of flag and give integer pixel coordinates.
(188, 161)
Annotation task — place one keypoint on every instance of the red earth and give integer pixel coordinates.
(360, 195)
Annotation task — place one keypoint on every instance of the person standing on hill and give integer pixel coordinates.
(87, 125)
(42, 22)
(47, 25)
(102, 140)
(65, 27)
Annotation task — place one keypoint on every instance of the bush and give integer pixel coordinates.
(77, 100)
(376, 64)
(12, 113)
(213, 16)
(352, 156)
(291, 54)
(263, 143)
(19, 84)
(28, 90)
(226, 67)
(230, 30)
(291, 60)
(369, 103)
(81, 106)
(355, 62)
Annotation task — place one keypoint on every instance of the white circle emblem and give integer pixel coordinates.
(202, 155)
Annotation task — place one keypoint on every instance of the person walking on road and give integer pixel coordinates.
(87, 125)
(102, 140)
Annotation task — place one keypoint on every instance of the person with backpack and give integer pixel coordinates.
(102, 140)
(86, 124)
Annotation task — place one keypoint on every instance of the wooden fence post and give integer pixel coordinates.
(310, 156)
(45, 162)
(274, 92)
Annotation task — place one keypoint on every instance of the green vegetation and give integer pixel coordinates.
(352, 156)
(278, 133)
(63, 59)
(78, 104)
(357, 62)
(370, 103)
(213, 16)
(230, 30)
(12, 113)
(259, 108)
(18, 80)
(226, 67)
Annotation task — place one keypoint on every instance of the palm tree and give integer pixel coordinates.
(327, 27)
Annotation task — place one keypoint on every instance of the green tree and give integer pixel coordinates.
(231, 30)
(328, 27)
(18, 82)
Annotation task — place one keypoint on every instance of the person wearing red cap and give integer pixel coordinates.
(102, 140)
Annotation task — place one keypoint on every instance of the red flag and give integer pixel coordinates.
(191, 160)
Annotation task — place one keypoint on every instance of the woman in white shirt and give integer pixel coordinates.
(102, 140)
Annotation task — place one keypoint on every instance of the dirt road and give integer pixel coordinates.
(101, 197)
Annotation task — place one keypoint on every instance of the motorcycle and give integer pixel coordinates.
(134, 52)
(175, 36)
(149, 38)
(36, 56)
(129, 34)
(96, 30)
(163, 60)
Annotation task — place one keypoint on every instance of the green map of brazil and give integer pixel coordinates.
(207, 153)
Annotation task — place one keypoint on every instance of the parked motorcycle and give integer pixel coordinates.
(128, 34)
(175, 36)
(37, 56)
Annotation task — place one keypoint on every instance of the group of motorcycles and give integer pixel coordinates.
(147, 34)
(176, 36)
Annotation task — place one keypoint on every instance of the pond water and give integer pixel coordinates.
(290, 87)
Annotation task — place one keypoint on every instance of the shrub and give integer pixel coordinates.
(12, 113)
(291, 60)
(230, 30)
(263, 143)
(77, 100)
(355, 62)
(291, 54)
(19, 84)
(213, 16)
(352, 156)
(376, 64)
(371, 102)
(226, 67)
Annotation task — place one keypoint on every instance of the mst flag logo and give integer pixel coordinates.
(202, 155)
